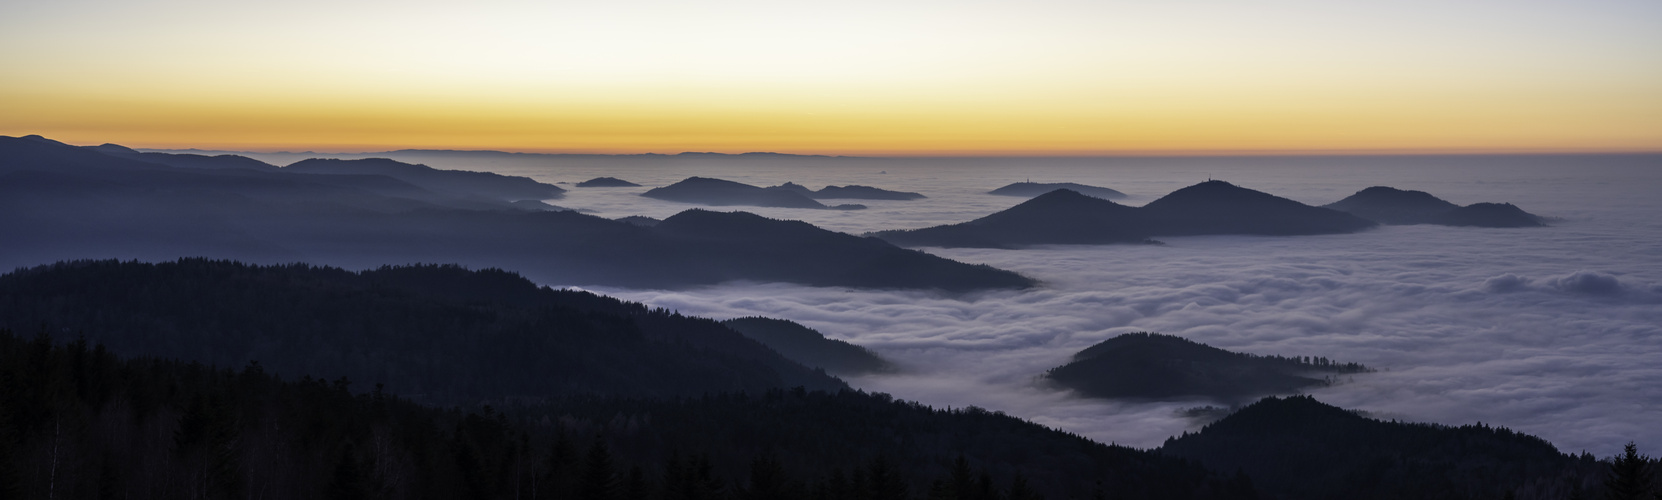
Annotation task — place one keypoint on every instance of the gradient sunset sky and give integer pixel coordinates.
(849, 77)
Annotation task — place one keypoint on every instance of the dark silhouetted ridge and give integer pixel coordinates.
(639, 220)
(1489, 215)
(1058, 217)
(718, 192)
(444, 333)
(1155, 366)
(1031, 189)
(810, 347)
(1064, 216)
(768, 249)
(854, 192)
(1299, 448)
(606, 182)
(499, 186)
(1395, 206)
(1218, 207)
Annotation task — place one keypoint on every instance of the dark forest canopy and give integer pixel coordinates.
(1156, 366)
(78, 422)
(1032, 189)
(1067, 217)
(1388, 205)
(1298, 448)
(63, 202)
(810, 347)
(438, 334)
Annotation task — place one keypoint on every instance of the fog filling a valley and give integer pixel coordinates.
(1551, 331)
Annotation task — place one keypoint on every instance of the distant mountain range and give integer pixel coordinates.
(485, 153)
(1388, 205)
(1064, 216)
(1155, 366)
(65, 202)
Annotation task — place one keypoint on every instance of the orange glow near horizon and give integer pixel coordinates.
(1054, 78)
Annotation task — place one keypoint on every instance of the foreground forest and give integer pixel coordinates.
(77, 421)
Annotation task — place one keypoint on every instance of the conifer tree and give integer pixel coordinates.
(885, 481)
(347, 482)
(1629, 477)
(599, 481)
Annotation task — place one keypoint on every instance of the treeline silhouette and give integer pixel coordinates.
(438, 334)
(78, 422)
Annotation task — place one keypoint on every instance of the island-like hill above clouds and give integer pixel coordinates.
(455, 182)
(719, 192)
(1068, 217)
(1218, 207)
(1164, 367)
(851, 192)
(1297, 448)
(810, 347)
(1388, 205)
(606, 182)
(65, 202)
(1058, 217)
(1031, 189)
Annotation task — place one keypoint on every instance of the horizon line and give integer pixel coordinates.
(1173, 153)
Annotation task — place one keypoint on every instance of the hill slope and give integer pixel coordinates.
(718, 192)
(1218, 207)
(441, 333)
(1388, 205)
(809, 347)
(457, 182)
(1058, 217)
(1299, 448)
(1064, 216)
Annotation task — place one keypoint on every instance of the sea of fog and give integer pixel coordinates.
(1551, 331)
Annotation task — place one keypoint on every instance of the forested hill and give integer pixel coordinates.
(438, 334)
(77, 422)
(1298, 448)
(1156, 366)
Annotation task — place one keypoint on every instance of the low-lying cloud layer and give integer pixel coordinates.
(1461, 332)
(1552, 331)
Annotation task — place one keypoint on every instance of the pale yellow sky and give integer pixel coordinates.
(1046, 77)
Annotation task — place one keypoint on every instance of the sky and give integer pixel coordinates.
(855, 77)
